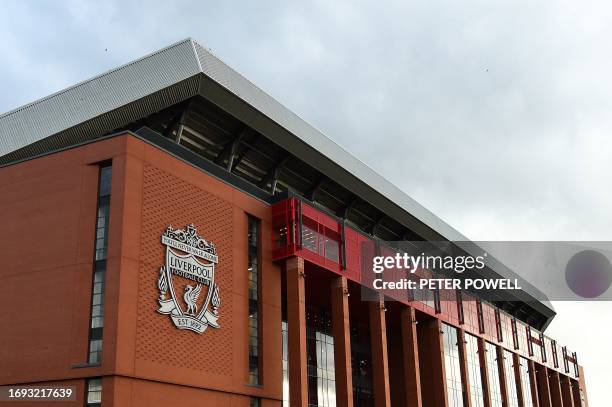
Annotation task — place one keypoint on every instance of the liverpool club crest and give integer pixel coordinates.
(189, 278)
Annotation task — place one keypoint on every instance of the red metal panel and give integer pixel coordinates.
(555, 354)
(566, 368)
(536, 343)
(549, 352)
(424, 299)
(284, 229)
(506, 329)
(352, 243)
(320, 218)
(470, 312)
(490, 326)
(448, 305)
(326, 234)
(521, 332)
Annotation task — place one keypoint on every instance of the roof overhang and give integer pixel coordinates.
(101, 105)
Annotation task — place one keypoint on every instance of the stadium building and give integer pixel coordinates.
(173, 236)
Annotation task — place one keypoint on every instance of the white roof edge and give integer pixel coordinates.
(92, 97)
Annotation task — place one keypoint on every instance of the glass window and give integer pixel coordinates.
(321, 241)
(332, 250)
(510, 379)
(105, 180)
(526, 382)
(95, 351)
(94, 392)
(100, 253)
(253, 271)
(423, 295)
(493, 370)
(285, 357)
(320, 360)
(309, 238)
(102, 228)
(473, 361)
(454, 384)
(104, 188)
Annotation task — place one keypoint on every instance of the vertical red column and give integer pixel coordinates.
(582, 388)
(296, 320)
(555, 388)
(576, 393)
(503, 379)
(342, 342)
(412, 378)
(380, 367)
(465, 376)
(437, 392)
(534, 384)
(566, 391)
(543, 386)
(519, 379)
(484, 372)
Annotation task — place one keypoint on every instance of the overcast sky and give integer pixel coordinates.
(495, 115)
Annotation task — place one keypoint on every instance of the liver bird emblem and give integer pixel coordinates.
(191, 296)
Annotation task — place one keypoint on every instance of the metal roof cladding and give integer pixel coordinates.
(176, 73)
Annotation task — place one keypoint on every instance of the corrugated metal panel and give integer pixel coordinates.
(97, 96)
(107, 122)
